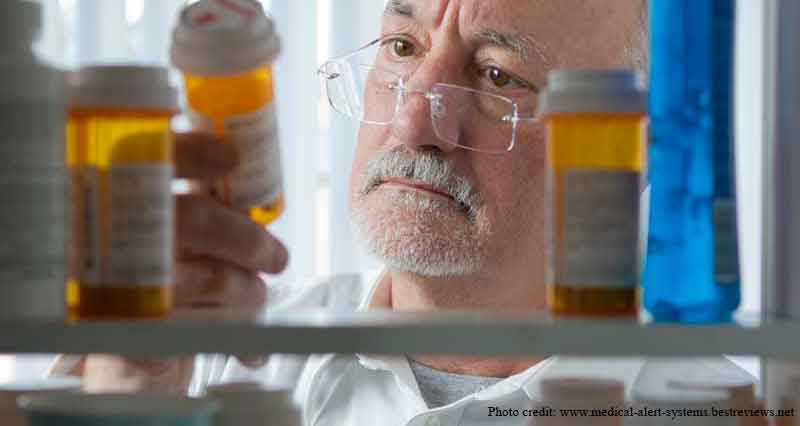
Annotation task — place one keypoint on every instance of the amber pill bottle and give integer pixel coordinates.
(225, 51)
(596, 157)
(119, 157)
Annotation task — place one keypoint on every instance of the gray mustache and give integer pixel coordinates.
(427, 167)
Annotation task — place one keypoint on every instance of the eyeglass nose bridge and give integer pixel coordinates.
(436, 100)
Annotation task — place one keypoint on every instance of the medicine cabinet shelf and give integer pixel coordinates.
(394, 333)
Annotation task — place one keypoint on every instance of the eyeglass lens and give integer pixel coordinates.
(461, 116)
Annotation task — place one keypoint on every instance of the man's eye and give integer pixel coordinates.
(402, 48)
(500, 79)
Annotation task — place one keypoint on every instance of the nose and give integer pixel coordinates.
(413, 124)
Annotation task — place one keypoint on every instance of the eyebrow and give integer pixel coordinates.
(399, 8)
(523, 46)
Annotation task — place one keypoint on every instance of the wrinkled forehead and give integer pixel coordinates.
(568, 32)
(506, 14)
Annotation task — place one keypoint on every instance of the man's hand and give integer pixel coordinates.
(220, 254)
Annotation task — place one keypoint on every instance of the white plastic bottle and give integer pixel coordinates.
(33, 229)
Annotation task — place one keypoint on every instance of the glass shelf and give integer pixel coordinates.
(317, 331)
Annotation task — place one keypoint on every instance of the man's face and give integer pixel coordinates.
(425, 206)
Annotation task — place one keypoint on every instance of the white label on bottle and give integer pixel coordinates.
(726, 247)
(32, 216)
(600, 230)
(140, 243)
(258, 179)
(32, 194)
(86, 260)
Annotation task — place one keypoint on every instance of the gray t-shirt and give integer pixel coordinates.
(439, 388)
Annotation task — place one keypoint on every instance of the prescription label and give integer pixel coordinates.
(140, 226)
(258, 180)
(597, 243)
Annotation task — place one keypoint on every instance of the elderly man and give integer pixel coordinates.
(457, 218)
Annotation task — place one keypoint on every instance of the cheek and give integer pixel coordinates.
(520, 187)
(515, 185)
(370, 142)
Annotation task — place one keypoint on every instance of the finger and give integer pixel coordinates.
(206, 227)
(201, 155)
(208, 283)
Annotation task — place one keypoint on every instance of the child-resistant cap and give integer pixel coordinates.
(221, 37)
(593, 91)
(122, 87)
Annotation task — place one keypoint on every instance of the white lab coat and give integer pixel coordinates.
(358, 389)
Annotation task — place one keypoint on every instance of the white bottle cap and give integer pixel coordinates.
(223, 37)
(20, 23)
(248, 403)
(127, 87)
(593, 91)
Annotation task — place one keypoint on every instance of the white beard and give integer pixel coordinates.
(414, 233)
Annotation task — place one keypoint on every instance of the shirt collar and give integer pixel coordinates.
(378, 296)
(379, 292)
